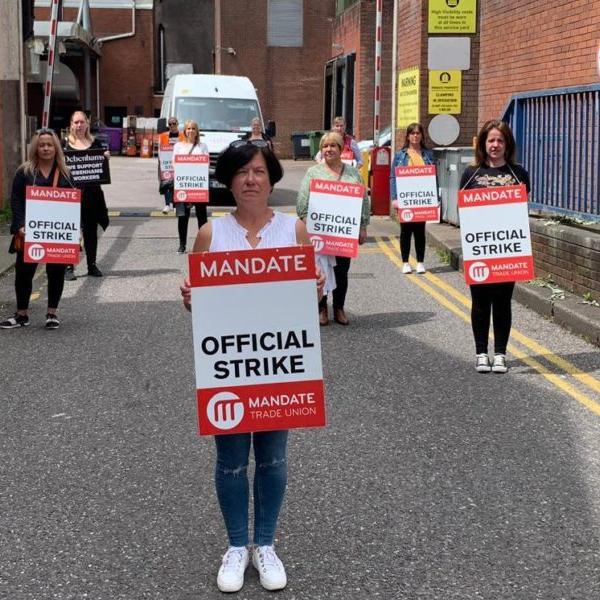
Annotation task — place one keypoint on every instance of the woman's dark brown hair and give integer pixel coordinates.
(510, 149)
(415, 127)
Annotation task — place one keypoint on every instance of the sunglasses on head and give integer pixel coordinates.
(44, 130)
(173, 123)
(257, 143)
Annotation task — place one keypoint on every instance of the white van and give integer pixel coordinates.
(222, 105)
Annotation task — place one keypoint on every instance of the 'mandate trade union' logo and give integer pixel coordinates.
(317, 243)
(36, 252)
(479, 271)
(181, 196)
(407, 215)
(225, 410)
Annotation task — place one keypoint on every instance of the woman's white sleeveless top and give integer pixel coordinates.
(228, 234)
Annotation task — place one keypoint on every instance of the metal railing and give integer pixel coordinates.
(558, 139)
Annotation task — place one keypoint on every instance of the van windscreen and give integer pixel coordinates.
(217, 114)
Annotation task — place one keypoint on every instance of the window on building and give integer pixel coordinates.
(342, 5)
(285, 23)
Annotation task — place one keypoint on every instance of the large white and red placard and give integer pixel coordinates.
(165, 161)
(494, 230)
(333, 219)
(52, 221)
(257, 345)
(191, 177)
(416, 193)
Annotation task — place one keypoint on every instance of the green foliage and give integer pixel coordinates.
(5, 214)
(444, 256)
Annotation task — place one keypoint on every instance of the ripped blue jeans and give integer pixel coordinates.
(270, 479)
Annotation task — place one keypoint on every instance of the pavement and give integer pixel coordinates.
(565, 309)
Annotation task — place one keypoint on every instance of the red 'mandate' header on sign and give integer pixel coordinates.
(415, 171)
(505, 194)
(339, 188)
(192, 158)
(252, 266)
(53, 194)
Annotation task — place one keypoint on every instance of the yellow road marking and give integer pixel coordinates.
(554, 378)
(534, 346)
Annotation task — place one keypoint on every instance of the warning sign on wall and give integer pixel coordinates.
(445, 89)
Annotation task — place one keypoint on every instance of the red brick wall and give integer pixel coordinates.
(529, 45)
(126, 65)
(354, 31)
(289, 81)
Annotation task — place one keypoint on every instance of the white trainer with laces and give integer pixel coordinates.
(165, 210)
(483, 363)
(231, 572)
(406, 269)
(269, 567)
(420, 268)
(499, 364)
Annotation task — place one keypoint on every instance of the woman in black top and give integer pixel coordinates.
(93, 205)
(44, 167)
(257, 133)
(494, 166)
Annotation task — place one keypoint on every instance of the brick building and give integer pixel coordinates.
(350, 70)
(119, 36)
(282, 47)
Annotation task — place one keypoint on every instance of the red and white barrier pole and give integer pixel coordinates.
(51, 59)
(376, 111)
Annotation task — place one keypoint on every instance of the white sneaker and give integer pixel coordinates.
(171, 207)
(165, 210)
(232, 569)
(420, 268)
(269, 567)
(406, 269)
(483, 363)
(499, 364)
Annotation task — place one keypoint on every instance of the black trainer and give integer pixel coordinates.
(14, 322)
(70, 273)
(94, 271)
(181, 250)
(52, 321)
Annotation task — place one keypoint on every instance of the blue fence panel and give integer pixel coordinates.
(558, 140)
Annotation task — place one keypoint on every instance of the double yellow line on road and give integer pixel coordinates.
(425, 282)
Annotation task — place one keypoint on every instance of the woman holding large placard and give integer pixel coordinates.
(335, 268)
(45, 167)
(413, 153)
(494, 166)
(191, 145)
(249, 169)
(93, 204)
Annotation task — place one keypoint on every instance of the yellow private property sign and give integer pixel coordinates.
(444, 92)
(408, 97)
(452, 16)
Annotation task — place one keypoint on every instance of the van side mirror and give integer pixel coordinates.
(271, 129)
(161, 126)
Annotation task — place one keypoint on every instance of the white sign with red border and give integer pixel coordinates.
(257, 344)
(494, 230)
(333, 219)
(165, 161)
(191, 177)
(52, 222)
(416, 193)
(348, 158)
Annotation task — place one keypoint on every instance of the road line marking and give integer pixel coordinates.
(553, 378)
(568, 367)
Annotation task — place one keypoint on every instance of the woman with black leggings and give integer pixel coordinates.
(45, 167)
(494, 166)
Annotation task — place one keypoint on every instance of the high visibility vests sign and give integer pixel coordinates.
(191, 177)
(494, 230)
(52, 221)
(333, 219)
(257, 346)
(165, 161)
(416, 193)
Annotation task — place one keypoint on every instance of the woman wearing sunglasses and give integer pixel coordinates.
(335, 268)
(46, 167)
(170, 137)
(249, 169)
(93, 205)
(190, 145)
